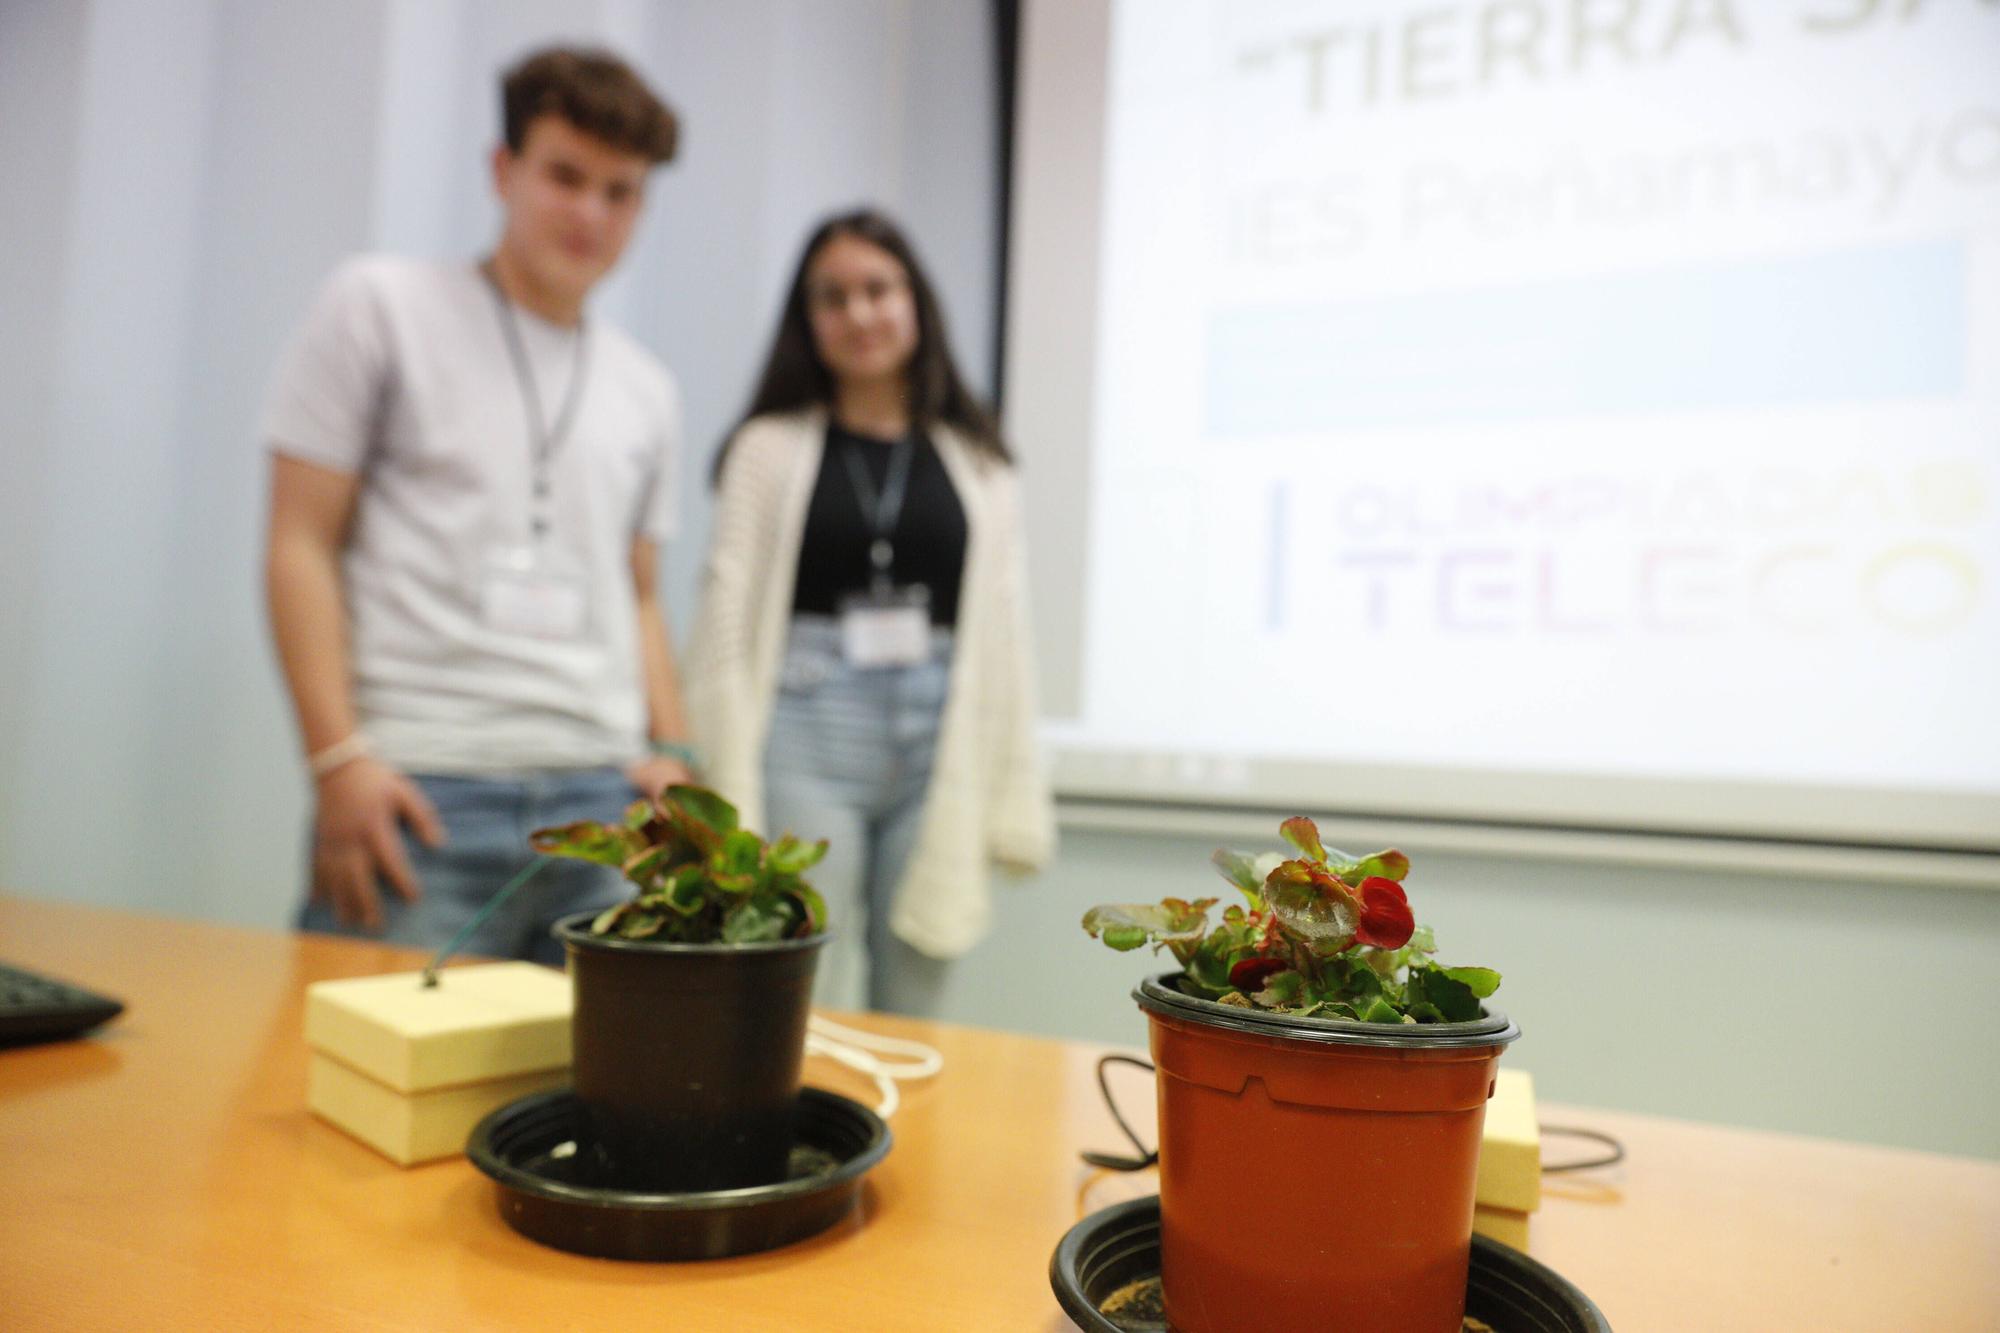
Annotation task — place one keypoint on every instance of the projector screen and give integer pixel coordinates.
(1554, 412)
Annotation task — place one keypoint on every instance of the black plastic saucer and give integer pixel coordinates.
(1120, 1245)
(535, 1149)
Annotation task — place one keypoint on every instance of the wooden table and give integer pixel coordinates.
(165, 1175)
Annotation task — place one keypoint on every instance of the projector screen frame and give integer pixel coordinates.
(1048, 358)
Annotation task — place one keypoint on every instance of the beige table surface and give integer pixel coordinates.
(165, 1175)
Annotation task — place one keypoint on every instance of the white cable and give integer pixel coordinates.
(860, 1051)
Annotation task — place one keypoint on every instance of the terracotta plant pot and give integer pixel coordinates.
(688, 1056)
(1316, 1173)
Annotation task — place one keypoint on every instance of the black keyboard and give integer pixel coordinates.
(38, 1008)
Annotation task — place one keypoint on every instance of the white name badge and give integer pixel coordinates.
(886, 630)
(524, 595)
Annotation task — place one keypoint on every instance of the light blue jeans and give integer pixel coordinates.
(848, 760)
(487, 822)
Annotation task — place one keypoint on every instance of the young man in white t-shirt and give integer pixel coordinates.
(470, 480)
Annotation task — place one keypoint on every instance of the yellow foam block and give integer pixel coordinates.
(1510, 1154)
(482, 1021)
(1502, 1224)
(411, 1127)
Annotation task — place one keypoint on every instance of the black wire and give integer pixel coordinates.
(1616, 1155)
(1110, 1161)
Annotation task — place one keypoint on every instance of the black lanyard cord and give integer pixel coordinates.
(881, 512)
(543, 439)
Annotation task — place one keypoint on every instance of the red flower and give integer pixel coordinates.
(1386, 921)
(1249, 973)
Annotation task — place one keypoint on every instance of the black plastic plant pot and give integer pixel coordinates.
(1117, 1250)
(687, 1056)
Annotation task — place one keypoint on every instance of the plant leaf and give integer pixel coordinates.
(790, 856)
(1240, 870)
(1362, 983)
(1281, 990)
(686, 890)
(1453, 998)
(1389, 864)
(647, 865)
(1379, 1010)
(812, 906)
(1303, 834)
(695, 839)
(586, 840)
(1481, 981)
(1311, 904)
(642, 924)
(741, 853)
(1206, 966)
(704, 805)
(1117, 927)
(751, 922)
(1126, 926)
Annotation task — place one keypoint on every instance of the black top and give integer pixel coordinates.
(929, 536)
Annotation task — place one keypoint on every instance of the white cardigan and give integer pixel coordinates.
(989, 795)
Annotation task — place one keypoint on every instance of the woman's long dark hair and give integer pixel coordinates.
(794, 376)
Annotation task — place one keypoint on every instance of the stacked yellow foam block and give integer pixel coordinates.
(410, 1069)
(1510, 1162)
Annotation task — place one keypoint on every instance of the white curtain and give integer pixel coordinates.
(176, 176)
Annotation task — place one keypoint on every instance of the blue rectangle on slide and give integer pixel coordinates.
(1886, 322)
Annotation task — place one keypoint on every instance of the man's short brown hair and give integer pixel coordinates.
(594, 91)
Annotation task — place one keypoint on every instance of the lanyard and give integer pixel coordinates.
(543, 439)
(881, 511)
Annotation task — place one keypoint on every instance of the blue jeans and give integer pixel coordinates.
(848, 760)
(487, 822)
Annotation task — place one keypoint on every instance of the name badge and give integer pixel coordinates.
(525, 593)
(889, 628)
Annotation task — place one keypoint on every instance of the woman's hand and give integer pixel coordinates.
(655, 773)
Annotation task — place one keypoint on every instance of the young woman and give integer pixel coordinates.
(860, 667)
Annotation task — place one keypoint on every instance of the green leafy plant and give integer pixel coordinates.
(701, 879)
(1323, 934)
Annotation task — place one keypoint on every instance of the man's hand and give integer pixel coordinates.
(655, 774)
(357, 839)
